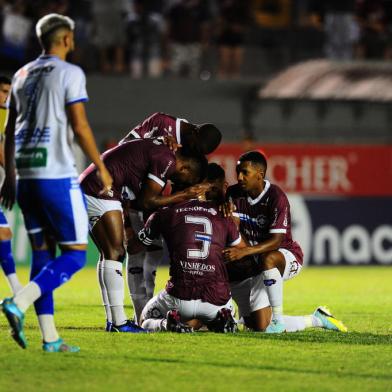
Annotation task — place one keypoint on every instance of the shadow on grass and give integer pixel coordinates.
(340, 373)
(322, 336)
(314, 336)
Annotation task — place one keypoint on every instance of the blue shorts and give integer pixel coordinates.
(56, 206)
(3, 219)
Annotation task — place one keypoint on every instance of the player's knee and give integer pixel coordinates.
(5, 234)
(116, 253)
(270, 260)
(38, 240)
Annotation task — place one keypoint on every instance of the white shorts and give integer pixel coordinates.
(97, 207)
(251, 294)
(158, 306)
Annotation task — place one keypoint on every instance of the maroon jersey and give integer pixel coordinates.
(158, 124)
(267, 214)
(130, 164)
(195, 234)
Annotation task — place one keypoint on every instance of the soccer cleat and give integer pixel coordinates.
(129, 327)
(328, 320)
(109, 326)
(224, 322)
(15, 318)
(174, 324)
(59, 346)
(275, 327)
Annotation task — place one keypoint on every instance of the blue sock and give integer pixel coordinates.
(58, 271)
(44, 304)
(6, 259)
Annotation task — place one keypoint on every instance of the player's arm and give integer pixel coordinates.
(147, 235)
(273, 243)
(84, 135)
(151, 198)
(8, 190)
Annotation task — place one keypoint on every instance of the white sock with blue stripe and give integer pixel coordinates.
(273, 282)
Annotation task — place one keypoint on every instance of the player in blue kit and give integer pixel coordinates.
(6, 259)
(47, 96)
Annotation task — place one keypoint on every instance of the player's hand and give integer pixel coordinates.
(227, 209)
(233, 254)
(171, 142)
(8, 192)
(198, 191)
(107, 181)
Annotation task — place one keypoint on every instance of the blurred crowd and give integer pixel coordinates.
(200, 38)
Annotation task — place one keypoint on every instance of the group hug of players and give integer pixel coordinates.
(222, 242)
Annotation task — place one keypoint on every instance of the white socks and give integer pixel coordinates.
(14, 283)
(154, 325)
(299, 323)
(27, 296)
(273, 282)
(113, 298)
(48, 328)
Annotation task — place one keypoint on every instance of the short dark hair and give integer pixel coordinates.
(209, 137)
(202, 139)
(215, 172)
(256, 157)
(5, 79)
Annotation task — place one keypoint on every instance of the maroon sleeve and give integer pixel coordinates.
(151, 229)
(280, 210)
(233, 235)
(162, 166)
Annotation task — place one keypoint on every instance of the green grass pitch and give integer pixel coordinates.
(314, 360)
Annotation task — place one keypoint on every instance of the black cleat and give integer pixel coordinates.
(174, 324)
(224, 322)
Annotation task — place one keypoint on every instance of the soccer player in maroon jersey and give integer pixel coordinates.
(202, 138)
(265, 222)
(142, 167)
(198, 289)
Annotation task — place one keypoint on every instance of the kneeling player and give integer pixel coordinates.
(265, 222)
(196, 234)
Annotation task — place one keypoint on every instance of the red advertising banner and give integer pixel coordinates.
(313, 169)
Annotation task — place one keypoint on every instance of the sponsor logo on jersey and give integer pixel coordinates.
(163, 174)
(211, 211)
(31, 157)
(195, 268)
(269, 282)
(38, 135)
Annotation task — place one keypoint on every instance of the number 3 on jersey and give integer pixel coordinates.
(204, 236)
